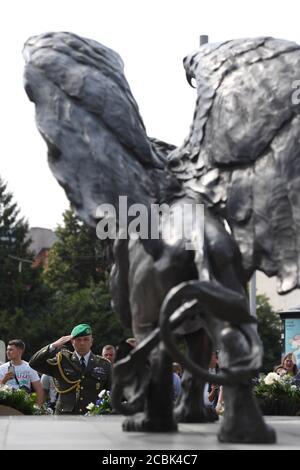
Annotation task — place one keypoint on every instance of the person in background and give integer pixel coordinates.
(176, 387)
(79, 376)
(220, 402)
(211, 391)
(109, 352)
(18, 374)
(288, 365)
(49, 391)
(177, 369)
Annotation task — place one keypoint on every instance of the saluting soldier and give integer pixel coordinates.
(78, 376)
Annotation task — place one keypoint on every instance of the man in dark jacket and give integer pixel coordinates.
(79, 376)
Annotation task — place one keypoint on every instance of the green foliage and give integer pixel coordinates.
(78, 258)
(77, 277)
(269, 329)
(16, 280)
(277, 395)
(89, 305)
(19, 400)
(40, 305)
(22, 294)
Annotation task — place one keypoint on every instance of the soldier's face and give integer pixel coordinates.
(82, 344)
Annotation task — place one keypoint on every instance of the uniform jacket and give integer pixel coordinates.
(76, 388)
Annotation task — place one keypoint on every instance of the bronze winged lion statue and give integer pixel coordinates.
(240, 163)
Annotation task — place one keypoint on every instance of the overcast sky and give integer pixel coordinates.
(152, 37)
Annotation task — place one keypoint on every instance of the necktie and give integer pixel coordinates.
(82, 362)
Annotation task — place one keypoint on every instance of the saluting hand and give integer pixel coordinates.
(61, 341)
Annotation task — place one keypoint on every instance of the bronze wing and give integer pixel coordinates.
(98, 148)
(242, 156)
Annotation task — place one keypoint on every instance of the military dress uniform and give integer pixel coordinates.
(76, 387)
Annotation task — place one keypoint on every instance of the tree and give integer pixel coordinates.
(77, 274)
(22, 293)
(88, 305)
(39, 306)
(78, 258)
(16, 278)
(269, 329)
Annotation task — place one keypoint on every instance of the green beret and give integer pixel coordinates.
(81, 330)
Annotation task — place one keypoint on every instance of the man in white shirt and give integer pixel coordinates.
(17, 373)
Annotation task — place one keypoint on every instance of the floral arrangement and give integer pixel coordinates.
(102, 406)
(278, 395)
(20, 400)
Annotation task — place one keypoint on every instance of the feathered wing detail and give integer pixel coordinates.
(242, 155)
(97, 144)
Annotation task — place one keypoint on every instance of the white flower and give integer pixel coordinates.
(271, 378)
(103, 393)
(293, 387)
(90, 406)
(5, 388)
